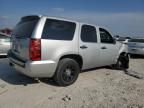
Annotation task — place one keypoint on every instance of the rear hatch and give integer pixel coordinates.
(21, 36)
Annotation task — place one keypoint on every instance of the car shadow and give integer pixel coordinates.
(134, 74)
(10, 76)
(95, 68)
(49, 81)
(128, 72)
(17, 79)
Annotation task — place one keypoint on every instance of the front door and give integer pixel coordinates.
(89, 47)
(108, 48)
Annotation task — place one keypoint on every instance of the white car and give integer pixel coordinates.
(4, 44)
(136, 46)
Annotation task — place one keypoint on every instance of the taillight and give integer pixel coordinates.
(35, 49)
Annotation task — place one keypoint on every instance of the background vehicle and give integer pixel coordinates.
(4, 44)
(136, 46)
(122, 40)
(60, 48)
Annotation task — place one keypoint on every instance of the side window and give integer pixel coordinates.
(58, 30)
(105, 36)
(88, 34)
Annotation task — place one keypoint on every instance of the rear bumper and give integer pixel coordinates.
(34, 68)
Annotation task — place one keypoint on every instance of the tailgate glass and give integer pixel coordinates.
(25, 27)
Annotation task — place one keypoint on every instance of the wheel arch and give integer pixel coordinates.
(124, 54)
(124, 58)
(76, 57)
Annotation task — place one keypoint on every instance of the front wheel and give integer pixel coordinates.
(123, 62)
(67, 72)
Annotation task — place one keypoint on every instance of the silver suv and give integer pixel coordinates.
(59, 48)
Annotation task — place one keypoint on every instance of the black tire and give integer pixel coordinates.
(67, 72)
(123, 62)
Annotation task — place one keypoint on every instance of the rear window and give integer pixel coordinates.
(58, 30)
(25, 27)
(137, 40)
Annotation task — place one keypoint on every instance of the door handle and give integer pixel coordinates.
(103, 47)
(83, 47)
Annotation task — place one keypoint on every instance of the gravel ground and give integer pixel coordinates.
(99, 88)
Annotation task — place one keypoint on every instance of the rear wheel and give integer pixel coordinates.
(67, 72)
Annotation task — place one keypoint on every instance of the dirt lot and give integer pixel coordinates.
(99, 88)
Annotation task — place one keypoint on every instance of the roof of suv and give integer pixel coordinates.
(66, 19)
(60, 18)
(73, 20)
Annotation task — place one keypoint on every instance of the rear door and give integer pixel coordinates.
(108, 48)
(21, 36)
(89, 46)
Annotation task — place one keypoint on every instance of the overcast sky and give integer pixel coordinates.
(122, 17)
